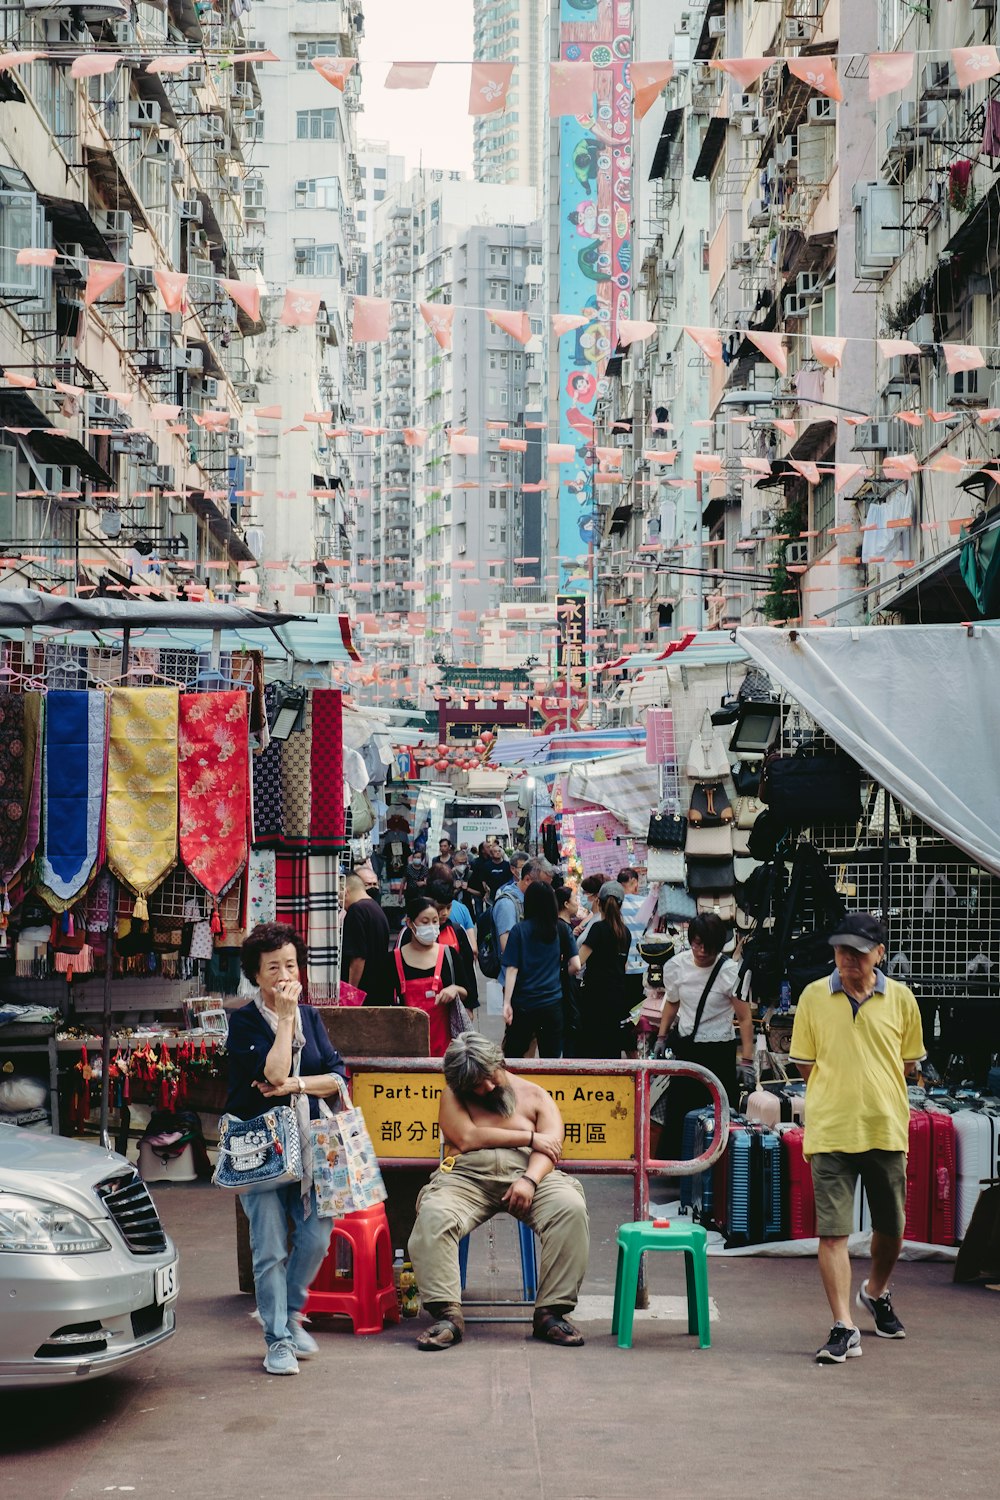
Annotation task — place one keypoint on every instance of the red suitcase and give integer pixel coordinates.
(943, 1175)
(918, 1178)
(801, 1207)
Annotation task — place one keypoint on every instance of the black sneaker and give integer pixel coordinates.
(887, 1325)
(843, 1343)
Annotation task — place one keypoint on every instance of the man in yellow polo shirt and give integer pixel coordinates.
(856, 1037)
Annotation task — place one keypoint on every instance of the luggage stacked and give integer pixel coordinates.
(930, 1178)
(753, 1187)
(975, 1120)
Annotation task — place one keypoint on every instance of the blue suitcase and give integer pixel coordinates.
(703, 1185)
(754, 1188)
(690, 1148)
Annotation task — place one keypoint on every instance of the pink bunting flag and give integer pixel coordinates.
(172, 64)
(708, 342)
(263, 54)
(892, 348)
(513, 445)
(17, 59)
(632, 330)
(973, 64)
(300, 309)
(409, 75)
(785, 425)
(911, 418)
(888, 73)
(772, 348)
(518, 325)
(101, 274)
(844, 473)
(946, 463)
(958, 357)
(820, 73)
(755, 465)
(22, 382)
(172, 286)
(269, 413)
(828, 351)
(371, 319)
(65, 389)
(707, 463)
(244, 295)
(745, 70)
(566, 322)
(559, 453)
(439, 320)
(571, 88)
(31, 257)
(808, 470)
(489, 87)
(335, 70)
(164, 411)
(660, 455)
(648, 82)
(414, 437)
(94, 64)
(462, 443)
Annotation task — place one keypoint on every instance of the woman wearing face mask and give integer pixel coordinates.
(425, 973)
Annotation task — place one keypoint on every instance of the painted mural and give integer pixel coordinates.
(595, 249)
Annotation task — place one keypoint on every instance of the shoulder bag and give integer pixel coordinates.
(806, 790)
(674, 1038)
(709, 805)
(259, 1154)
(666, 831)
(665, 865)
(707, 759)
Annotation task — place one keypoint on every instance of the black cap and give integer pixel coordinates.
(859, 930)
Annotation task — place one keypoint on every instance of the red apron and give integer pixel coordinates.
(421, 994)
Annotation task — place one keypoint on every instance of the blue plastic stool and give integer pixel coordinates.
(529, 1266)
(633, 1239)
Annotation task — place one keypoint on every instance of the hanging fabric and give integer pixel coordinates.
(73, 787)
(291, 891)
(212, 769)
(141, 817)
(296, 766)
(323, 936)
(19, 726)
(326, 816)
(260, 887)
(268, 804)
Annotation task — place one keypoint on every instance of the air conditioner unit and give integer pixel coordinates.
(161, 477)
(902, 372)
(197, 240)
(254, 213)
(878, 235)
(871, 437)
(797, 31)
(970, 386)
(116, 224)
(759, 215)
(235, 431)
(301, 49)
(936, 81)
(716, 25)
(744, 104)
(821, 111)
(249, 463)
(754, 127)
(213, 127)
(703, 76)
(56, 479)
(762, 520)
(192, 210)
(932, 118)
(741, 253)
(189, 359)
(102, 410)
(143, 114)
(242, 96)
(786, 151)
(797, 307)
(210, 388)
(178, 171)
(807, 284)
(160, 149)
(796, 554)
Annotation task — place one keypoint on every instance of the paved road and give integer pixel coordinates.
(502, 1416)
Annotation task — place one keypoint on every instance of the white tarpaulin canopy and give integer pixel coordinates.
(915, 705)
(624, 784)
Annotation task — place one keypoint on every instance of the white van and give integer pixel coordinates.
(463, 819)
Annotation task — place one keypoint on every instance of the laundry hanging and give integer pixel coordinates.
(212, 771)
(19, 725)
(141, 818)
(73, 788)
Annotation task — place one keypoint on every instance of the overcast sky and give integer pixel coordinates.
(433, 123)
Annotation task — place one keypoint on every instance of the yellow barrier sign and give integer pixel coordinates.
(401, 1112)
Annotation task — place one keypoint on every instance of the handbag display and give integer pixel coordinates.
(259, 1154)
(346, 1173)
(709, 805)
(710, 875)
(746, 777)
(666, 831)
(675, 904)
(655, 952)
(805, 790)
(709, 843)
(665, 864)
(707, 759)
(361, 814)
(748, 810)
(741, 842)
(720, 906)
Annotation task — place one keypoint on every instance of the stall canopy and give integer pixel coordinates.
(624, 784)
(514, 748)
(915, 705)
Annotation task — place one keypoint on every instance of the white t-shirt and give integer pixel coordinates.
(684, 984)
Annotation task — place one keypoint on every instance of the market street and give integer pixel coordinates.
(501, 1416)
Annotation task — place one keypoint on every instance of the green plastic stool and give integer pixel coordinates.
(661, 1234)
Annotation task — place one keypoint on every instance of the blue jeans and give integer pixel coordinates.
(283, 1276)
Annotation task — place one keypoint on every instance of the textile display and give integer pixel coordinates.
(15, 774)
(323, 936)
(73, 787)
(291, 891)
(296, 767)
(33, 778)
(97, 912)
(260, 887)
(212, 773)
(268, 803)
(326, 814)
(141, 818)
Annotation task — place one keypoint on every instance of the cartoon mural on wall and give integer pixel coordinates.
(595, 248)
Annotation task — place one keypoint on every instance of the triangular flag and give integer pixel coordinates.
(827, 351)
(745, 70)
(958, 357)
(101, 274)
(631, 330)
(819, 73)
(17, 59)
(844, 473)
(93, 64)
(518, 325)
(414, 437)
(244, 295)
(489, 87)
(300, 308)
(785, 425)
(32, 257)
(371, 320)
(911, 418)
(170, 63)
(808, 470)
(772, 348)
(23, 382)
(973, 64)
(409, 75)
(648, 81)
(566, 322)
(171, 286)
(708, 342)
(892, 348)
(888, 73)
(946, 463)
(755, 465)
(439, 320)
(571, 88)
(335, 70)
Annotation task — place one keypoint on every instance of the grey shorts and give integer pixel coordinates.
(835, 1175)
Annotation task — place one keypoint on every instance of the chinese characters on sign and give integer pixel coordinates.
(571, 646)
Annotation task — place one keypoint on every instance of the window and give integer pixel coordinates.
(253, 192)
(491, 535)
(306, 51)
(8, 460)
(435, 210)
(493, 499)
(379, 194)
(498, 257)
(824, 509)
(327, 260)
(360, 215)
(22, 222)
(534, 257)
(379, 172)
(503, 533)
(318, 125)
(504, 396)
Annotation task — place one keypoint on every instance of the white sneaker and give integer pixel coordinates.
(303, 1343)
(280, 1359)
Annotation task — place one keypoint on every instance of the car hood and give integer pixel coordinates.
(56, 1168)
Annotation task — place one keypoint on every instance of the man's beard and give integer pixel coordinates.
(501, 1101)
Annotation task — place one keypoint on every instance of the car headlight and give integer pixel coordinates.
(35, 1226)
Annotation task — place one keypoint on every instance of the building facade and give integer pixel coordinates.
(510, 147)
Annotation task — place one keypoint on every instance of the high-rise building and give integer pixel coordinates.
(511, 147)
(380, 171)
(303, 235)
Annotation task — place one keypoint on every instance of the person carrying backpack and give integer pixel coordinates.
(507, 910)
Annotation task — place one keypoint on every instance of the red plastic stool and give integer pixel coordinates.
(368, 1295)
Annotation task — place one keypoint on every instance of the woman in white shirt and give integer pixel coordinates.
(700, 989)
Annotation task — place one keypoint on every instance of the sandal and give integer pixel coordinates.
(441, 1335)
(552, 1329)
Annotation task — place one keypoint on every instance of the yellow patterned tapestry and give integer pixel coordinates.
(142, 789)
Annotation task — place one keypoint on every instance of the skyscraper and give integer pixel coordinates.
(510, 147)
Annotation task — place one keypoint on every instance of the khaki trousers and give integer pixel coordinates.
(455, 1203)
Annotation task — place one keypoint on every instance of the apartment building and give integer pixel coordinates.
(447, 528)
(510, 147)
(145, 170)
(380, 171)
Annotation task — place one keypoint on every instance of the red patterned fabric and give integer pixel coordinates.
(291, 891)
(213, 771)
(326, 821)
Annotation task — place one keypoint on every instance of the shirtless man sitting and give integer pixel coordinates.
(502, 1137)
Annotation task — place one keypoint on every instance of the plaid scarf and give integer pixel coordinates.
(324, 927)
(291, 892)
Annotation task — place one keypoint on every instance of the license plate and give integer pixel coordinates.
(167, 1283)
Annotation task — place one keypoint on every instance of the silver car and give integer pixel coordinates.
(88, 1278)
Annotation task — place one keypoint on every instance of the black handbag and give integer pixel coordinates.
(746, 777)
(806, 790)
(710, 875)
(666, 831)
(710, 807)
(655, 952)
